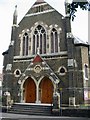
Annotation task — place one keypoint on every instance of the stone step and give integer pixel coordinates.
(32, 109)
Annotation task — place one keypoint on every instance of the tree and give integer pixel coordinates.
(71, 8)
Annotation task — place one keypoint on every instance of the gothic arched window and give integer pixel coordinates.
(39, 40)
(54, 41)
(25, 44)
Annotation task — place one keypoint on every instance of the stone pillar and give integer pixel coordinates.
(37, 94)
(70, 46)
(55, 102)
(70, 62)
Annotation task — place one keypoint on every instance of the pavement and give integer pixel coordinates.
(9, 116)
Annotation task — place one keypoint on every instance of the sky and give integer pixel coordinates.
(79, 25)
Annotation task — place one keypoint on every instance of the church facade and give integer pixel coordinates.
(45, 60)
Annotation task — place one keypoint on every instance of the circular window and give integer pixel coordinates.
(62, 70)
(17, 73)
(37, 68)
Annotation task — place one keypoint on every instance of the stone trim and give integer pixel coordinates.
(42, 55)
(39, 5)
(33, 14)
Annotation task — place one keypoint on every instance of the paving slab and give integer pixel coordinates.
(8, 116)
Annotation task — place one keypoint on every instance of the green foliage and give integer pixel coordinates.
(72, 8)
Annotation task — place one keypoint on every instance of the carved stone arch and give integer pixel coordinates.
(54, 40)
(51, 78)
(59, 29)
(39, 38)
(45, 26)
(28, 89)
(46, 90)
(23, 81)
(41, 78)
(24, 47)
(25, 31)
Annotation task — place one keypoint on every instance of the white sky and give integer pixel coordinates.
(79, 26)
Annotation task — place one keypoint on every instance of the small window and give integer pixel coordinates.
(39, 9)
(17, 73)
(62, 70)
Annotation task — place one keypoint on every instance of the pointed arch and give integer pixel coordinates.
(25, 44)
(29, 93)
(34, 82)
(54, 40)
(39, 40)
(46, 89)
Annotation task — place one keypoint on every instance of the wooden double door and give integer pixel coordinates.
(46, 88)
(45, 91)
(30, 91)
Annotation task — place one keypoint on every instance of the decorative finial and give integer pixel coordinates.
(15, 16)
(67, 2)
(15, 6)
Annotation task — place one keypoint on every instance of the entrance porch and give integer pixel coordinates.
(37, 92)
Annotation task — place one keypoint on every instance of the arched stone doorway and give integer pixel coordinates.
(46, 91)
(29, 91)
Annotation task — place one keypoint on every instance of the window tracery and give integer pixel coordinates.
(42, 39)
(39, 40)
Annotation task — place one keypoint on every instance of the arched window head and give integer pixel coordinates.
(25, 44)
(39, 40)
(54, 41)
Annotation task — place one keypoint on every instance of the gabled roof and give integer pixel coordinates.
(37, 59)
(39, 1)
(78, 41)
(58, 5)
(43, 66)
